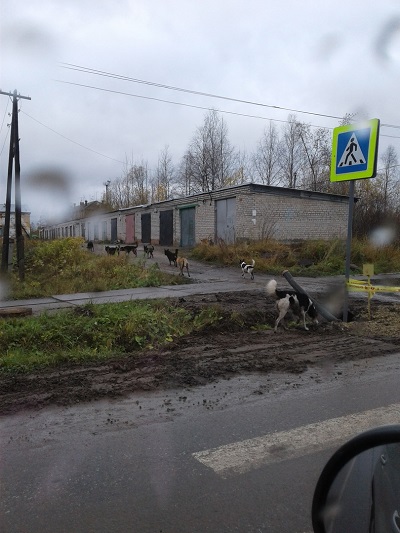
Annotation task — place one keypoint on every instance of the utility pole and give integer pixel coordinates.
(13, 156)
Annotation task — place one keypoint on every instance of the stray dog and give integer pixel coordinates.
(148, 250)
(182, 263)
(247, 269)
(110, 250)
(172, 256)
(90, 246)
(127, 248)
(297, 302)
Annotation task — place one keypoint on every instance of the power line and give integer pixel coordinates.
(4, 116)
(171, 102)
(190, 105)
(70, 140)
(1, 128)
(150, 98)
(4, 143)
(88, 70)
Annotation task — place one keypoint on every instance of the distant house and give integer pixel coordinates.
(244, 212)
(25, 221)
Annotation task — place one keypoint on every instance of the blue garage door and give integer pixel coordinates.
(188, 227)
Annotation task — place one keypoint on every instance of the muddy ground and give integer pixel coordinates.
(245, 345)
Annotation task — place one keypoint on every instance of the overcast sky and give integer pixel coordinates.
(329, 58)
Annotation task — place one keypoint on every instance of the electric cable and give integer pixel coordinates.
(88, 70)
(70, 140)
(191, 105)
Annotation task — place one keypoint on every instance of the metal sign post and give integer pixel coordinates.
(354, 156)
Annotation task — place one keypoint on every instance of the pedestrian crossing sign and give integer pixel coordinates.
(354, 151)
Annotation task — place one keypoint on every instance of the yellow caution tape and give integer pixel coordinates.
(362, 286)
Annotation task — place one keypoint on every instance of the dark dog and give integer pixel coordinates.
(90, 246)
(127, 248)
(297, 302)
(148, 250)
(111, 249)
(182, 263)
(247, 269)
(172, 256)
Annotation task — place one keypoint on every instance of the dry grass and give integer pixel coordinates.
(311, 258)
(384, 323)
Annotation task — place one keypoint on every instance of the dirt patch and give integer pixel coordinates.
(245, 343)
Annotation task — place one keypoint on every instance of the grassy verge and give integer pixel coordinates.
(310, 258)
(95, 332)
(65, 267)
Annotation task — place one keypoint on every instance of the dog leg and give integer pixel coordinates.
(282, 307)
(280, 320)
(304, 319)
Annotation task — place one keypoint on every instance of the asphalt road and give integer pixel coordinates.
(242, 455)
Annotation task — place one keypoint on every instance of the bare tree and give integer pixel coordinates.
(266, 158)
(379, 197)
(209, 160)
(164, 177)
(241, 172)
(291, 153)
(389, 178)
(317, 157)
(185, 176)
(131, 188)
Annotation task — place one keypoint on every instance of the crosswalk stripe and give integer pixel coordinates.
(243, 456)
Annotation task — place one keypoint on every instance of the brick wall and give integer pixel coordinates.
(289, 219)
(261, 212)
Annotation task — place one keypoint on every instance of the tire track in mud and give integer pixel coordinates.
(194, 361)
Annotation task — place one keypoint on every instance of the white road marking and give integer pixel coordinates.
(243, 456)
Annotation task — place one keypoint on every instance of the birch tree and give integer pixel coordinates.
(291, 153)
(209, 160)
(266, 158)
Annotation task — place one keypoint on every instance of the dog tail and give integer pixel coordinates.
(253, 263)
(271, 287)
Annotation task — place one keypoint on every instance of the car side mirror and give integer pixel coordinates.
(359, 488)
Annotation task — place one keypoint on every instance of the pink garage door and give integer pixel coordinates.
(130, 229)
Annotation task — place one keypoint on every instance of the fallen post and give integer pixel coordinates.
(320, 308)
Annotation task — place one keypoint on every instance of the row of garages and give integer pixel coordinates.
(244, 212)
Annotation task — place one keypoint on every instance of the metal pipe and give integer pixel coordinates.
(321, 309)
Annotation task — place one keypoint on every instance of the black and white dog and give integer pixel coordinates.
(247, 269)
(297, 302)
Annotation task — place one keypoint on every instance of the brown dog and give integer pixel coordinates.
(182, 263)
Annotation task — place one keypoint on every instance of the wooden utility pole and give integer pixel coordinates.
(13, 156)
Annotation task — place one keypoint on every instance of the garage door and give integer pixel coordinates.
(188, 227)
(146, 228)
(226, 219)
(166, 228)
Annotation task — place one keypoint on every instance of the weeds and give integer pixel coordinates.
(64, 267)
(95, 332)
(311, 258)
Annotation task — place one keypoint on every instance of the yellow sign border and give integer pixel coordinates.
(370, 171)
